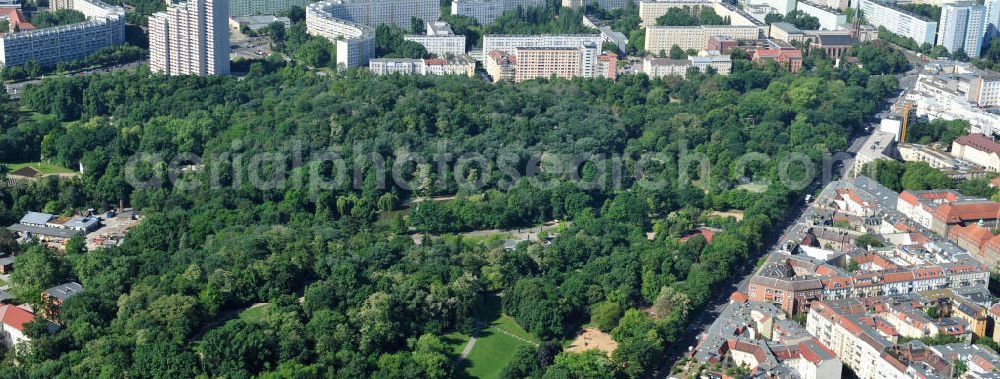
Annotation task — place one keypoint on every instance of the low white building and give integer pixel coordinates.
(978, 149)
(459, 65)
(440, 40)
(12, 320)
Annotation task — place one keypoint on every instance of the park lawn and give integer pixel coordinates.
(456, 340)
(493, 349)
(510, 325)
(43, 167)
(492, 353)
(255, 314)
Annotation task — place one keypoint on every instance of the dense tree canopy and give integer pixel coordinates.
(374, 302)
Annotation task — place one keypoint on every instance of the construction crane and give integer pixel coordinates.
(906, 118)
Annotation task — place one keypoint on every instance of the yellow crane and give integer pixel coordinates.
(906, 118)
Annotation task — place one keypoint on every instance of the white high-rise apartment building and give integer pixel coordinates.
(262, 7)
(509, 44)
(190, 38)
(354, 41)
(898, 21)
(962, 27)
(376, 12)
(485, 11)
(992, 18)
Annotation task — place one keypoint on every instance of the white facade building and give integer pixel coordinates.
(509, 44)
(354, 41)
(190, 38)
(829, 18)
(606, 4)
(459, 65)
(262, 7)
(440, 40)
(662, 38)
(104, 27)
(898, 21)
(376, 12)
(657, 67)
(992, 24)
(485, 11)
(962, 27)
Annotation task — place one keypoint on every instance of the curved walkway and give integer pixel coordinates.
(472, 341)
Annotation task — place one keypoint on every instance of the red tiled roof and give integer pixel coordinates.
(973, 234)
(777, 53)
(980, 142)
(967, 211)
(995, 182)
(930, 272)
(738, 297)
(815, 356)
(919, 238)
(15, 317)
(898, 277)
(909, 198)
(16, 18)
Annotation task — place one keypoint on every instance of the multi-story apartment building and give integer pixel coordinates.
(898, 21)
(650, 10)
(939, 210)
(354, 41)
(543, 62)
(984, 90)
(459, 65)
(500, 66)
(190, 38)
(104, 27)
(992, 24)
(978, 149)
(786, 58)
(389, 66)
(544, 56)
(662, 38)
(951, 304)
(606, 4)
(962, 27)
(262, 7)
(485, 11)
(440, 40)
(857, 339)
(657, 67)
(376, 12)
(509, 43)
(829, 18)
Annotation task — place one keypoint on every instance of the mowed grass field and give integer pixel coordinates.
(494, 348)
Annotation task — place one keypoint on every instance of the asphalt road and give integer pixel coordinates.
(795, 218)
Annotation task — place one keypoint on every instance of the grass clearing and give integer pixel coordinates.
(43, 167)
(492, 353)
(255, 314)
(494, 348)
